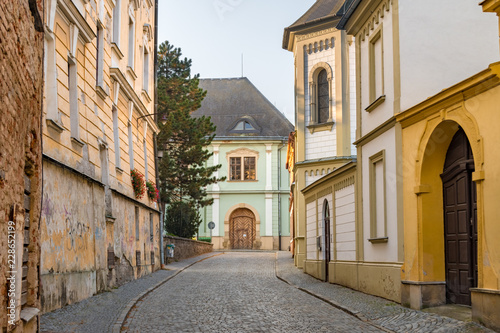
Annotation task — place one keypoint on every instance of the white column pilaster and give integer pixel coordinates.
(269, 164)
(215, 214)
(215, 187)
(269, 214)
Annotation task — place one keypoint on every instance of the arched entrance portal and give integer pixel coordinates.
(326, 228)
(460, 221)
(242, 229)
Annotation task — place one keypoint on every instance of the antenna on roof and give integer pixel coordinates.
(242, 65)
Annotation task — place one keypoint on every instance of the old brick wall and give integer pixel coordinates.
(21, 85)
(186, 248)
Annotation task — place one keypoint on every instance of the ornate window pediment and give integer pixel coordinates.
(242, 164)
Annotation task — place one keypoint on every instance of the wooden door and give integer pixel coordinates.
(242, 229)
(460, 226)
(326, 228)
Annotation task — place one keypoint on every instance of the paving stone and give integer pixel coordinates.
(379, 311)
(100, 312)
(236, 292)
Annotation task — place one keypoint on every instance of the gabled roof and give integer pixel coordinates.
(321, 11)
(230, 101)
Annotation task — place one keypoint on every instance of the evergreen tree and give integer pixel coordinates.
(184, 175)
(182, 220)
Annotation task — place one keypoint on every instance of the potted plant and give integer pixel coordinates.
(137, 183)
(152, 191)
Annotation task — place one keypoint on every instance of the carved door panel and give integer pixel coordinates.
(460, 226)
(242, 229)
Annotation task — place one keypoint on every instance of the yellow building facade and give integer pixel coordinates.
(452, 253)
(98, 126)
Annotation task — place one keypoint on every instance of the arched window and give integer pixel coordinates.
(323, 98)
(320, 94)
(244, 126)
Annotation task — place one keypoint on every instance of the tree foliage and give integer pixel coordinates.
(182, 219)
(184, 139)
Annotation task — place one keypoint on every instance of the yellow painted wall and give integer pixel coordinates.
(86, 213)
(427, 132)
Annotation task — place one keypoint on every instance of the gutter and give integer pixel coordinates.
(160, 205)
(279, 195)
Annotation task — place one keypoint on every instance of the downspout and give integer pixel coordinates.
(279, 196)
(160, 205)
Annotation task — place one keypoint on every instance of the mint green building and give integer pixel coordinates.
(251, 208)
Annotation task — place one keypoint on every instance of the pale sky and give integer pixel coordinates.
(214, 34)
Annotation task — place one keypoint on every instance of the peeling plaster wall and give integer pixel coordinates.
(72, 236)
(77, 237)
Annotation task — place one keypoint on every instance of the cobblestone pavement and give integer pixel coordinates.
(98, 314)
(376, 310)
(236, 292)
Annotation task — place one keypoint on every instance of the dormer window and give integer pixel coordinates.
(245, 126)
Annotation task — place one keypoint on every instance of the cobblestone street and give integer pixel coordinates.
(236, 292)
(240, 292)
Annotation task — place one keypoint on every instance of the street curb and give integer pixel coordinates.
(346, 309)
(117, 327)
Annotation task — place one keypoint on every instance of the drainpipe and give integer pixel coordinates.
(279, 196)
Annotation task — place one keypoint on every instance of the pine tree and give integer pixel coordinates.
(184, 139)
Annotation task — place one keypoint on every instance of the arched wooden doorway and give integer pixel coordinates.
(326, 228)
(460, 221)
(242, 229)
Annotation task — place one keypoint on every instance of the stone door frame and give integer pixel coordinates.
(227, 220)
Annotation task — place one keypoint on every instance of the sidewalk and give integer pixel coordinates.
(380, 312)
(105, 312)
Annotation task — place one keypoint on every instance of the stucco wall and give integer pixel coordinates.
(77, 237)
(311, 231)
(436, 50)
(71, 236)
(382, 252)
(345, 224)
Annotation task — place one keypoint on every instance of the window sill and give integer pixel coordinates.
(378, 240)
(117, 50)
(130, 70)
(320, 127)
(53, 124)
(27, 314)
(146, 96)
(243, 181)
(102, 91)
(77, 141)
(376, 103)
(119, 170)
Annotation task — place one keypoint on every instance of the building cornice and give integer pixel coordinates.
(491, 6)
(228, 139)
(382, 128)
(349, 167)
(461, 91)
(292, 35)
(363, 15)
(72, 13)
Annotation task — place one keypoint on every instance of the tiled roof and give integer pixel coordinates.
(230, 101)
(321, 10)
